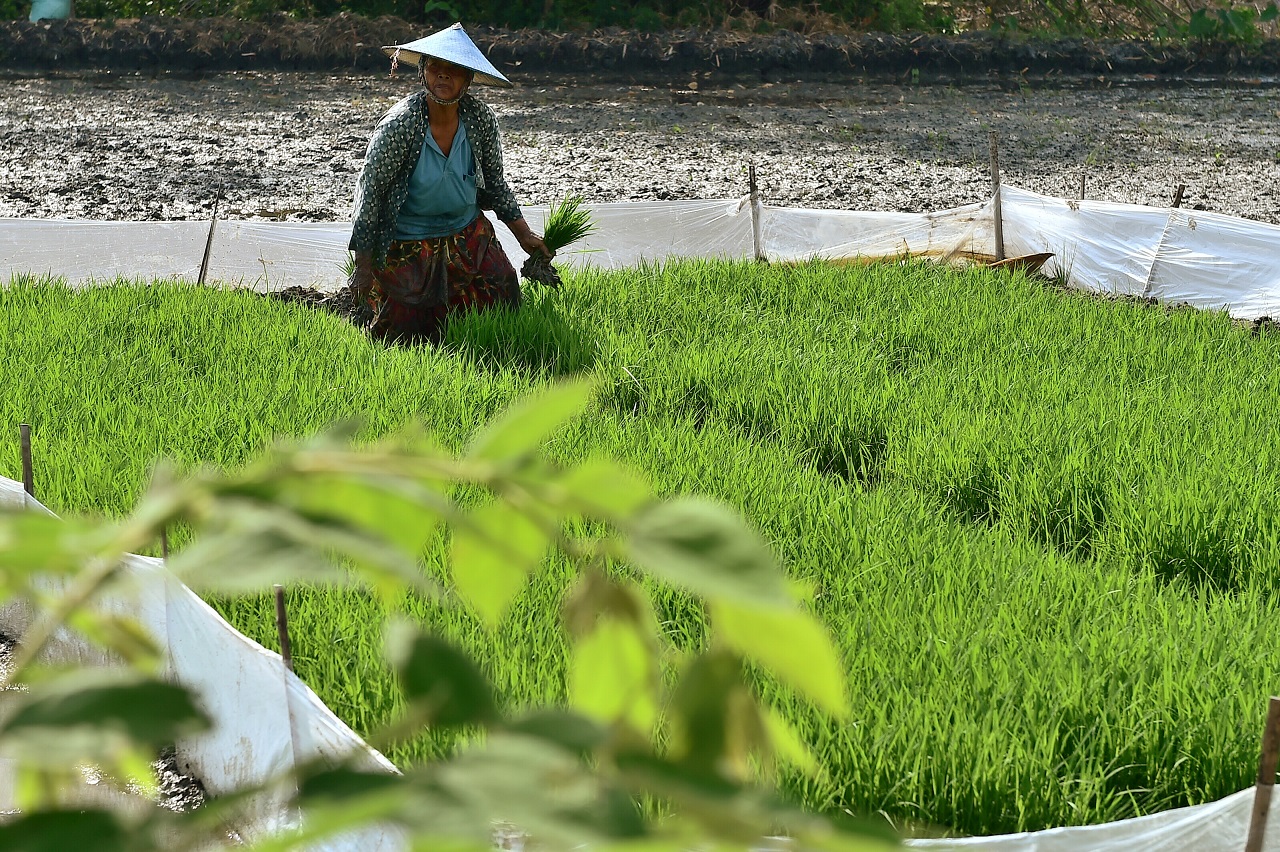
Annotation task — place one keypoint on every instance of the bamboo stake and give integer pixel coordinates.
(1177, 195)
(757, 238)
(994, 139)
(282, 628)
(1266, 778)
(28, 472)
(208, 243)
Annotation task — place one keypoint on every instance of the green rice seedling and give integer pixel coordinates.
(1042, 527)
(567, 222)
(348, 265)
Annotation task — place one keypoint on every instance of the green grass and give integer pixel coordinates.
(1042, 526)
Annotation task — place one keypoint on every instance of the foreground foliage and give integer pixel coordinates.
(325, 515)
(1042, 527)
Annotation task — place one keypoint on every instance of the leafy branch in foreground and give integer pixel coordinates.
(700, 743)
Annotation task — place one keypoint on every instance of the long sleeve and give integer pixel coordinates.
(371, 190)
(496, 195)
(384, 180)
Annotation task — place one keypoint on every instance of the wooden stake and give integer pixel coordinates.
(282, 628)
(28, 472)
(1266, 778)
(757, 239)
(1082, 186)
(994, 139)
(208, 243)
(164, 544)
(1177, 195)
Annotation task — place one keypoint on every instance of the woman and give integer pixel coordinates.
(423, 248)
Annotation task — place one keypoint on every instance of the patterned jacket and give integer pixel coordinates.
(393, 153)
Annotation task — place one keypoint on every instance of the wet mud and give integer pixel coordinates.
(289, 146)
(341, 303)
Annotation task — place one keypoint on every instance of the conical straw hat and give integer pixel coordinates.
(451, 45)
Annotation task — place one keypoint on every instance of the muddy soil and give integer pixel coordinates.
(7, 647)
(289, 145)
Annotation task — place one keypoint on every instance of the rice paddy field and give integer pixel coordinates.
(1043, 526)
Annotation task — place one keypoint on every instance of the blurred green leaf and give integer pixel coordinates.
(336, 806)
(739, 816)
(248, 545)
(493, 555)
(120, 634)
(521, 430)
(723, 808)
(439, 679)
(570, 731)
(535, 785)
(786, 744)
(716, 724)
(597, 596)
(790, 643)
(430, 841)
(613, 675)
(33, 542)
(62, 831)
(250, 558)
(404, 513)
(135, 767)
(140, 709)
(606, 490)
(706, 548)
(346, 783)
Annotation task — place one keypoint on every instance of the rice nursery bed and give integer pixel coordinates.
(1042, 526)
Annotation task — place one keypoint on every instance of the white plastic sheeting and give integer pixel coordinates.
(1205, 259)
(273, 255)
(1220, 826)
(264, 718)
(795, 235)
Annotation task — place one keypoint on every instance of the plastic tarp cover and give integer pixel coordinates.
(1204, 259)
(654, 231)
(84, 251)
(1220, 826)
(1213, 261)
(273, 255)
(795, 235)
(264, 717)
(1100, 246)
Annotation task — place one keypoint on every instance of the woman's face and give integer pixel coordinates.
(445, 80)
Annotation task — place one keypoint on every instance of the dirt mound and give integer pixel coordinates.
(195, 45)
(342, 303)
(348, 42)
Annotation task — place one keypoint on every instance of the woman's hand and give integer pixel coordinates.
(533, 244)
(529, 241)
(361, 280)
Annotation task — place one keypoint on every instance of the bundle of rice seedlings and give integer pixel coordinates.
(566, 223)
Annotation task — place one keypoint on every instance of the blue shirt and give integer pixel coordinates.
(442, 191)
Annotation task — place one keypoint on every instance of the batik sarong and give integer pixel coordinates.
(425, 281)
